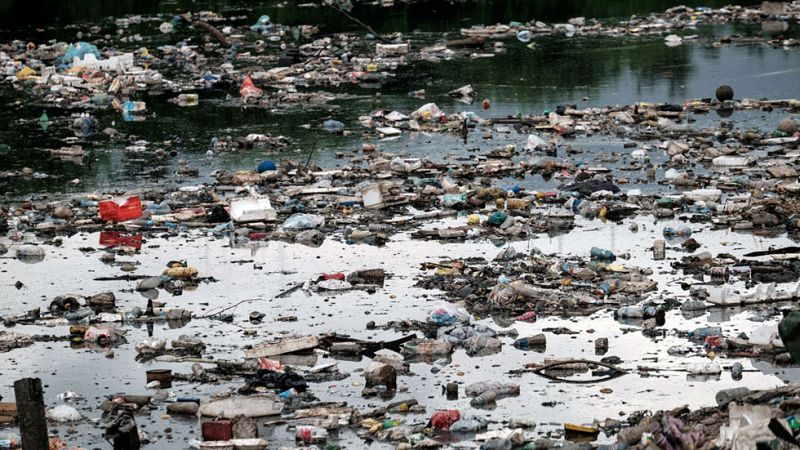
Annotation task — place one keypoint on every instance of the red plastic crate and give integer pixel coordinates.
(113, 210)
(217, 430)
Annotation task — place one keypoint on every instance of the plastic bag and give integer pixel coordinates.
(333, 126)
(453, 199)
(79, 50)
(262, 24)
(334, 285)
(405, 165)
(248, 89)
(534, 142)
(99, 334)
(482, 345)
(302, 221)
(501, 389)
(448, 314)
(443, 420)
(270, 364)
(63, 413)
(149, 346)
(428, 112)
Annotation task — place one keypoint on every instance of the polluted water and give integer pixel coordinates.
(400, 224)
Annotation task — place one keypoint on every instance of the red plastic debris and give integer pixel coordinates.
(248, 88)
(120, 211)
(528, 316)
(443, 420)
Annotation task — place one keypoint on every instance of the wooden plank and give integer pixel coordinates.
(32, 422)
(288, 345)
(8, 409)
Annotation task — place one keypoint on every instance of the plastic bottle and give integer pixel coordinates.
(704, 332)
(632, 312)
(74, 316)
(486, 399)
(736, 371)
(679, 231)
(608, 287)
(288, 393)
(726, 396)
(524, 36)
(638, 312)
(501, 389)
(705, 368)
(602, 254)
(471, 424)
(531, 341)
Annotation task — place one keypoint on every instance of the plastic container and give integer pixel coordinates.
(163, 376)
(608, 287)
(488, 398)
(217, 430)
(602, 254)
(736, 371)
(704, 332)
(121, 210)
(538, 340)
(267, 165)
(501, 389)
(252, 209)
(679, 231)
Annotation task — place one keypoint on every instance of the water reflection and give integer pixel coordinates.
(603, 71)
(425, 15)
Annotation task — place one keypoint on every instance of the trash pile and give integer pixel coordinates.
(674, 20)
(396, 299)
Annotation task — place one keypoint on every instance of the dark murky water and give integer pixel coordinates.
(605, 71)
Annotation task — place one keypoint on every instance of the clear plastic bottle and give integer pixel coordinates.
(602, 254)
(486, 399)
(679, 231)
(704, 332)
